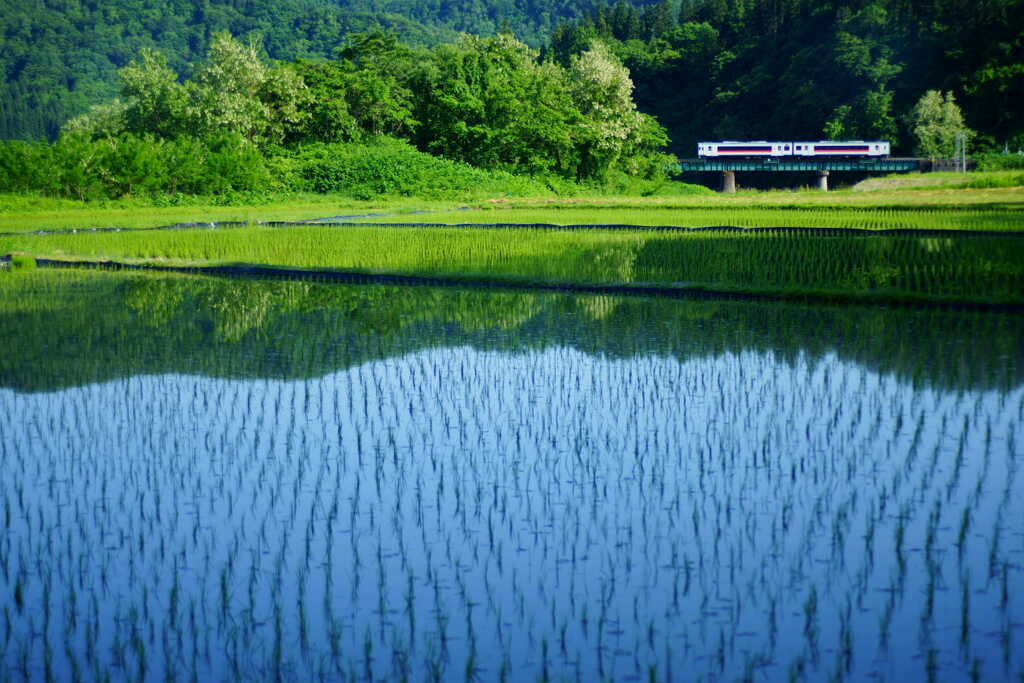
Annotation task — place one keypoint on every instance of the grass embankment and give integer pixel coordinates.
(975, 180)
(20, 213)
(978, 268)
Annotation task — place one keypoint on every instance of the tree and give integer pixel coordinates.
(870, 118)
(489, 102)
(602, 90)
(234, 89)
(329, 117)
(102, 120)
(662, 20)
(378, 67)
(936, 121)
(155, 101)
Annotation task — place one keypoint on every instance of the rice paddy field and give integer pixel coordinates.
(911, 200)
(211, 479)
(915, 243)
(916, 266)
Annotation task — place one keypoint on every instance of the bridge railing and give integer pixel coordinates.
(796, 164)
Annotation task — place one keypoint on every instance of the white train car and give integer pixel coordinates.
(821, 148)
(845, 148)
(758, 148)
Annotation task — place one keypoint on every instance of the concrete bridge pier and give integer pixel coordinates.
(729, 182)
(823, 181)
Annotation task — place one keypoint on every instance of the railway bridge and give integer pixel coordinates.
(822, 165)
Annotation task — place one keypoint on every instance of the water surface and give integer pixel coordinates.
(236, 480)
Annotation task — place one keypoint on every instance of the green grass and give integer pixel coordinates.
(943, 181)
(21, 213)
(756, 210)
(891, 206)
(881, 267)
(22, 262)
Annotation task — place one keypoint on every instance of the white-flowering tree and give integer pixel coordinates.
(936, 122)
(102, 120)
(155, 99)
(235, 90)
(611, 128)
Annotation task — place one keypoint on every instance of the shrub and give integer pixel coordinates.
(22, 262)
(129, 165)
(1000, 162)
(393, 167)
(27, 167)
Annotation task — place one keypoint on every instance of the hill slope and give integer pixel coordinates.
(59, 56)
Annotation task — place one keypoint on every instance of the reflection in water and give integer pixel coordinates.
(387, 483)
(72, 328)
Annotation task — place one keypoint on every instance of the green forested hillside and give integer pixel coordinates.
(791, 69)
(707, 69)
(59, 56)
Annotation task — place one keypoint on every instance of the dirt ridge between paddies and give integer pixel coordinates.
(682, 290)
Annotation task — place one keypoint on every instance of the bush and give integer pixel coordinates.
(22, 262)
(132, 166)
(1000, 162)
(393, 167)
(27, 167)
(619, 183)
(982, 181)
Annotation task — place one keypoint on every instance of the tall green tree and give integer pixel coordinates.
(378, 68)
(329, 117)
(492, 103)
(156, 101)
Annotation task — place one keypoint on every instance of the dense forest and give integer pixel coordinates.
(383, 117)
(792, 69)
(705, 69)
(59, 56)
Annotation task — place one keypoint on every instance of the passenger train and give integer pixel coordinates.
(823, 148)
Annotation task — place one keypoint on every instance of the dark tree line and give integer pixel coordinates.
(707, 69)
(754, 69)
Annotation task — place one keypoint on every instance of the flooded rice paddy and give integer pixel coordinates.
(237, 480)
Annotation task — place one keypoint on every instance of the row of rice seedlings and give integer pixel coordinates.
(867, 218)
(456, 513)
